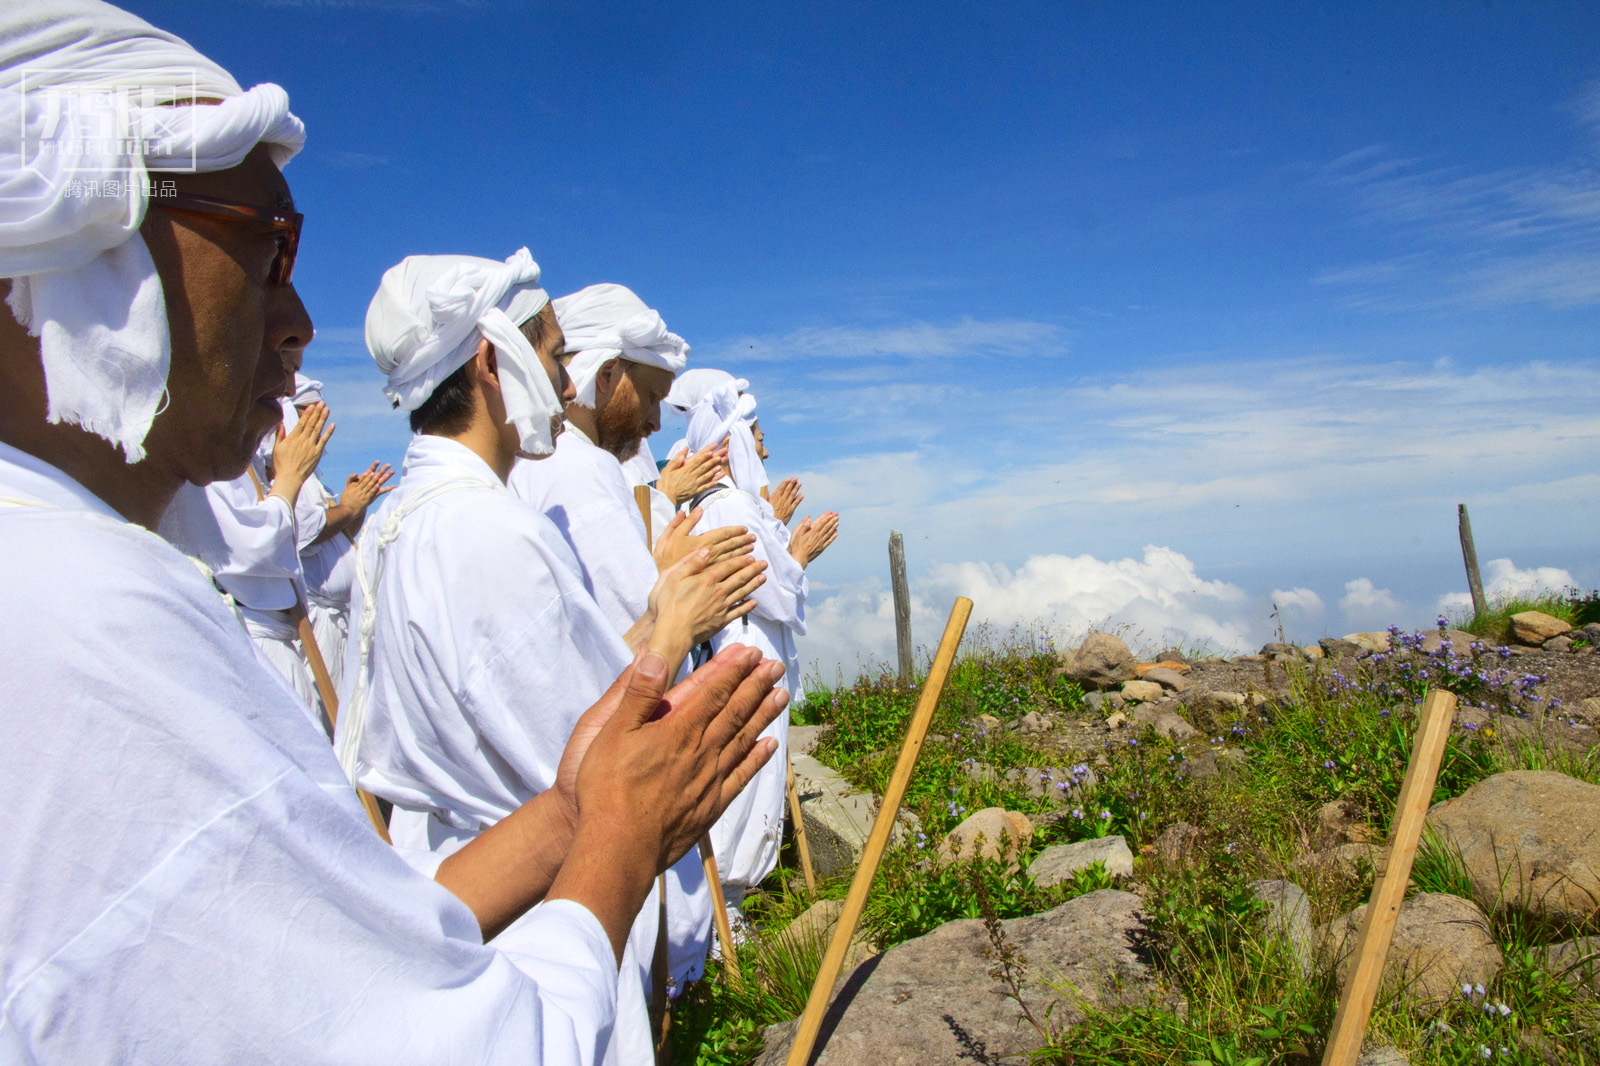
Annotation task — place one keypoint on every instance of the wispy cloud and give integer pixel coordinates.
(1490, 238)
(910, 340)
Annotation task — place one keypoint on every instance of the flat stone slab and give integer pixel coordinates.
(1059, 862)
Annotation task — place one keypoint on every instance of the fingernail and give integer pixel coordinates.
(651, 667)
(782, 698)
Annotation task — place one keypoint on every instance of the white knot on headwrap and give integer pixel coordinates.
(429, 313)
(607, 321)
(695, 385)
(307, 391)
(724, 414)
(97, 96)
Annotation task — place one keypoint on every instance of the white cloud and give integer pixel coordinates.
(1155, 600)
(910, 340)
(1364, 604)
(1298, 608)
(1503, 580)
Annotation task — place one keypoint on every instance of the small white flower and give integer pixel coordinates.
(1505, 1011)
(1483, 1050)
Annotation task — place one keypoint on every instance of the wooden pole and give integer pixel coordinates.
(902, 604)
(660, 972)
(805, 1036)
(719, 909)
(800, 833)
(1469, 552)
(324, 683)
(1377, 927)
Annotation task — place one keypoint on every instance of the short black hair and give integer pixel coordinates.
(449, 410)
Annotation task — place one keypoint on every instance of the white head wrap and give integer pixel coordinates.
(724, 414)
(429, 313)
(92, 90)
(307, 391)
(695, 385)
(605, 322)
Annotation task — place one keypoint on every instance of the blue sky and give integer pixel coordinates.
(1269, 287)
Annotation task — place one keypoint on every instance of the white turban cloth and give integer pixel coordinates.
(606, 322)
(725, 413)
(307, 391)
(100, 99)
(695, 385)
(428, 316)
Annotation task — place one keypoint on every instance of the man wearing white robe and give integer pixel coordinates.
(622, 363)
(186, 875)
(469, 603)
(748, 836)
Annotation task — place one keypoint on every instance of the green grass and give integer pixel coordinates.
(1230, 992)
(1570, 605)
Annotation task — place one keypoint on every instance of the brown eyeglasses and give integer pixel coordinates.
(284, 224)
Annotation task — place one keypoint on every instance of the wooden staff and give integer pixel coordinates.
(1377, 926)
(324, 681)
(800, 833)
(817, 1005)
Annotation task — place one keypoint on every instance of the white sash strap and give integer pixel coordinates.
(353, 716)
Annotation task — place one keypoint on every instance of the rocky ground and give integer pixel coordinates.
(1503, 909)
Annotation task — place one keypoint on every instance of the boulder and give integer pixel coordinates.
(987, 723)
(1277, 648)
(1589, 633)
(1529, 837)
(1576, 961)
(1346, 862)
(1141, 691)
(1053, 784)
(1288, 916)
(1588, 708)
(1116, 720)
(838, 818)
(992, 833)
(1440, 943)
(1340, 822)
(1033, 722)
(1312, 652)
(1387, 1055)
(1460, 641)
(1171, 680)
(1178, 844)
(1141, 669)
(1172, 655)
(1369, 643)
(812, 929)
(1057, 863)
(1561, 643)
(1334, 647)
(1535, 627)
(931, 1001)
(803, 738)
(1214, 713)
(1101, 661)
(1175, 727)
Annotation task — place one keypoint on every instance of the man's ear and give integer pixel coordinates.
(486, 365)
(610, 373)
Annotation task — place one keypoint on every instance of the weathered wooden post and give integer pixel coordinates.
(1480, 606)
(902, 603)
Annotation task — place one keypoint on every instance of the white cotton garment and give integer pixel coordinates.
(747, 837)
(307, 391)
(608, 321)
(726, 413)
(97, 95)
(430, 312)
(186, 876)
(582, 491)
(485, 648)
(693, 386)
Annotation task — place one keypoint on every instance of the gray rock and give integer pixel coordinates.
(1101, 661)
(1531, 837)
(1096, 702)
(1178, 844)
(1214, 713)
(1172, 655)
(1576, 961)
(1277, 648)
(1054, 784)
(1334, 647)
(1589, 708)
(1059, 862)
(1387, 1055)
(1170, 680)
(1141, 691)
(1288, 916)
(1589, 633)
(1340, 822)
(1175, 727)
(1116, 720)
(1033, 722)
(1561, 643)
(1346, 862)
(1440, 943)
(1142, 715)
(803, 738)
(992, 833)
(838, 819)
(931, 1001)
(1369, 643)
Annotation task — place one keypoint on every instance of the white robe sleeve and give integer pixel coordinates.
(186, 875)
(310, 512)
(250, 544)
